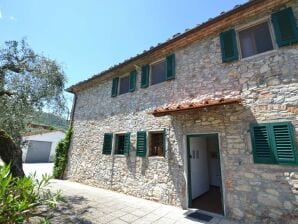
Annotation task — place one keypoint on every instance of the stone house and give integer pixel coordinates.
(207, 120)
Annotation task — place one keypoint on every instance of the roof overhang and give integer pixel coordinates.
(194, 105)
(211, 27)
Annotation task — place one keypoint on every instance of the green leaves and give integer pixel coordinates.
(33, 82)
(19, 197)
(61, 155)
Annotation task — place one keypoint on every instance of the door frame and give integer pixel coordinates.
(189, 189)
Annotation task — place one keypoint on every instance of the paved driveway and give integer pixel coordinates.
(38, 168)
(85, 204)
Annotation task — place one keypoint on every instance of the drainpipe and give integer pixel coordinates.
(73, 109)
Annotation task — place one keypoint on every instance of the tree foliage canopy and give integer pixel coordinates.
(28, 82)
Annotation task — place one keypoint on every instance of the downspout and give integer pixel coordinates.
(73, 109)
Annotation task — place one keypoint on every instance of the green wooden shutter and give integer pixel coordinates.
(170, 67)
(126, 144)
(285, 27)
(284, 142)
(164, 142)
(132, 81)
(145, 76)
(141, 143)
(107, 143)
(115, 87)
(228, 44)
(262, 150)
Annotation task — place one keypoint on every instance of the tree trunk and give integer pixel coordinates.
(11, 153)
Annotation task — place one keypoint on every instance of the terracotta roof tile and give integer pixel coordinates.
(195, 104)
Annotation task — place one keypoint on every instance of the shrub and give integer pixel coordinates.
(20, 197)
(61, 155)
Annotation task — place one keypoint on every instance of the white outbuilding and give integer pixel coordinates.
(40, 147)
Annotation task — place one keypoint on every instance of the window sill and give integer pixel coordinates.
(156, 157)
(119, 156)
(271, 52)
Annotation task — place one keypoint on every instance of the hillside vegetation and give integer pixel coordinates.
(50, 119)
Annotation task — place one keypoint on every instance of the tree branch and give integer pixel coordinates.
(5, 92)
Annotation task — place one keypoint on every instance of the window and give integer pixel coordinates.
(258, 38)
(255, 40)
(156, 144)
(122, 144)
(274, 143)
(158, 72)
(119, 145)
(124, 85)
(107, 143)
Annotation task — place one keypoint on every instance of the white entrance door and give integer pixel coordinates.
(199, 166)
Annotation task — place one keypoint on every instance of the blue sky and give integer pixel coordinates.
(88, 36)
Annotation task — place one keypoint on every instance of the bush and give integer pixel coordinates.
(20, 197)
(61, 155)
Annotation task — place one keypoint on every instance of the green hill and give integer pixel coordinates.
(50, 119)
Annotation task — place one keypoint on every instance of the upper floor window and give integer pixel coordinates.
(255, 40)
(258, 39)
(158, 72)
(124, 85)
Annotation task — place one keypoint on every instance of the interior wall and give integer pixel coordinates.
(213, 161)
(199, 166)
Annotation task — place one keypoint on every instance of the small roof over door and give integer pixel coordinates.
(193, 105)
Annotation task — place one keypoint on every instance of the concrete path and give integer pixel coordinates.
(85, 204)
(38, 168)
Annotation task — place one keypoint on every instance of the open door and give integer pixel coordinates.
(204, 173)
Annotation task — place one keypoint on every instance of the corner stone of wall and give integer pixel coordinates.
(292, 178)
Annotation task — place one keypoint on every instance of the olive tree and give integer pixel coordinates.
(28, 82)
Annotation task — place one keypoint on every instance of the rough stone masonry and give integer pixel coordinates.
(268, 85)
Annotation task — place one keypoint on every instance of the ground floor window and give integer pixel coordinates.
(156, 143)
(119, 144)
(274, 143)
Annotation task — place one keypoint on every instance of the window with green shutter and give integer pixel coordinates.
(283, 142)
(115, 86)
(126, 144)
(145, 76)
(132, 80)
(107, 143)
(158, 72)
(285, 27)
(228, 44)
(262, 151)
(141, 143)
(274, 143)
(170, 74)
(157, 143)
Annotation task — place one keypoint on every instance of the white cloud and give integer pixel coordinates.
(12, 18)
(0, 14)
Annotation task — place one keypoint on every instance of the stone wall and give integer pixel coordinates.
(267, 82)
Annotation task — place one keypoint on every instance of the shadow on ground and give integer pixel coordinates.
(71, 210)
